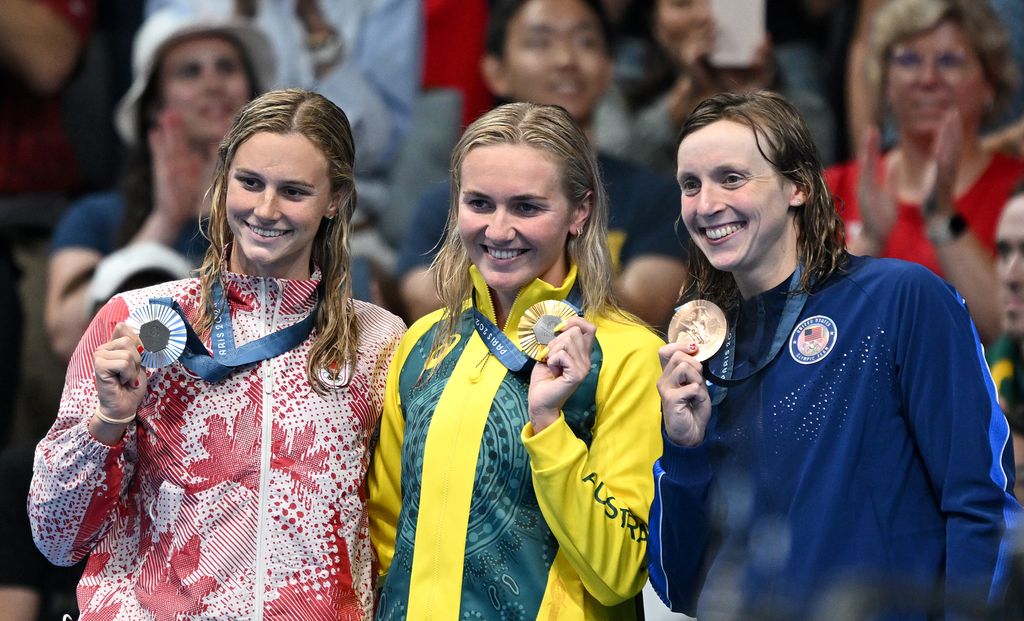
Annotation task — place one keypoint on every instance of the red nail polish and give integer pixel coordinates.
(136, 384)
(141, 349)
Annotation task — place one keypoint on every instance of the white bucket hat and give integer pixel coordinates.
(114, 271)
(169, 24)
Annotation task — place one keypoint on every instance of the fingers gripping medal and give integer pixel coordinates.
(700, 322)
(162, 333)
(537, 327)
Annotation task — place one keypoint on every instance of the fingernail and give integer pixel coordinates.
(141, 349)
(691, 347)
(136, 384)
(544, 353)
(560, 327)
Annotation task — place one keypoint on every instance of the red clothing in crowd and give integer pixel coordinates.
(35, 153)
(980, 206)
(454, 45)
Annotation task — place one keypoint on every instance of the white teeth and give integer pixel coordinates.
(504, 254)
(262, 232)
(721, 231)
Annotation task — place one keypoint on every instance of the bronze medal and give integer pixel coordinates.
(537, 326)
(700, 322)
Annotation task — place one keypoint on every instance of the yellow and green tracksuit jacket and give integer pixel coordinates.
(473, 516)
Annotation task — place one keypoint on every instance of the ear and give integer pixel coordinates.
(797, 195)
(495, 76)
(333, 207)
(582, 213)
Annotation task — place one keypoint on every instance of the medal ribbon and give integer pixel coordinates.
(226, 357)
(790, 313)
(500, 345)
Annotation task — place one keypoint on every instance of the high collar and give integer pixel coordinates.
(246, 292)
(251, 292)
(536, 291)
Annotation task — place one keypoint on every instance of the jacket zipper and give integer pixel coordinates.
(266, 428)
(475, 377)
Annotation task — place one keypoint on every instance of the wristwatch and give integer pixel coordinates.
(945, 228)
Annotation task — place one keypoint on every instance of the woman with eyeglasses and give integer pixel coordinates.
(938, 68)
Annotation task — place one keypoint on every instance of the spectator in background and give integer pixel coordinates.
(1003, 130)
(40, 45)
(940, 67)
(556, 52)
(1006, 355)
(192, 72)
(682, 73)
(365, 56)
(41, 42)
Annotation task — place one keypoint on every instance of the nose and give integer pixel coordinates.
(210, 79)
(501, 227)
(1013, 267)
(708, 202)
(928, 72)
(563, 52)
(266, 206)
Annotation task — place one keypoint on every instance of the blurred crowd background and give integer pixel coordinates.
(111, 112)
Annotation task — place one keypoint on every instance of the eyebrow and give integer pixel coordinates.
(717, 170)
(576, 27)
(294, 182)
(517, 197)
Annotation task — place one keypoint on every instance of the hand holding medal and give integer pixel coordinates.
(696, 332)
(561, 341)
(541, 323)
(120, 384)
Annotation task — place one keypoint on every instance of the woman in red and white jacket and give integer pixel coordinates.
(231, 484)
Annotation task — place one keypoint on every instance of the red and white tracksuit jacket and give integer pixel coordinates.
(241, 499)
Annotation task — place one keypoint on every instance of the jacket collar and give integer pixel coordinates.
(536, 291)
(246, 292)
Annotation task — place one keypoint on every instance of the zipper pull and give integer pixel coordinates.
(475, 377)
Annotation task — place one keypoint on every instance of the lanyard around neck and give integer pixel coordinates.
(790, 313)
(226, 357)
(507, 352)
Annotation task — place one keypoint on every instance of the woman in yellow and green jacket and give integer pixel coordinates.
(504, 490)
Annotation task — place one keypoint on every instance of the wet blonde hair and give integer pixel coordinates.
(315, 117)
(551, 130)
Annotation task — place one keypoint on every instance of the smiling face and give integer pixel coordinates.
(554, 53)
(278, 193)
(930, 74)
(1010, 265)
(737, 208)
(515, 219)
(204, 80)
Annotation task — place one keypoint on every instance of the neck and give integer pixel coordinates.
(750, 290)
(773, 269)
(502, 305)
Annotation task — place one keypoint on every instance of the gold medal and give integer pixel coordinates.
(537, 327)
(700, 322)
(162, 333)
